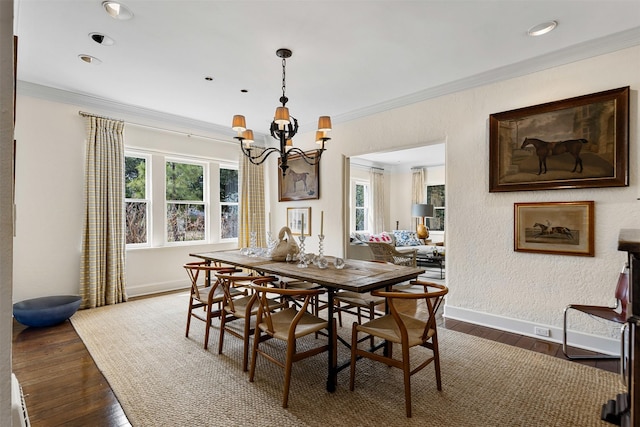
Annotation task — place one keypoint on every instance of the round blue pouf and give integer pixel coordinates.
(46, 311)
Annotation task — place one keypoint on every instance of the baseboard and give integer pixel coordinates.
(582, 340)
(154, 288)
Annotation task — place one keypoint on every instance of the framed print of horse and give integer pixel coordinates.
(302, 180)
(574, 143)
(563, 228)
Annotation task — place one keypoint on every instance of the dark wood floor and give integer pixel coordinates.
(63, 386)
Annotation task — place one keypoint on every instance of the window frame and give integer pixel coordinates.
(367, 204)
(148, 199)
(205, 196)
(220, 203)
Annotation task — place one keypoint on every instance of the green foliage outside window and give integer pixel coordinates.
(135, 210)
(185, 183)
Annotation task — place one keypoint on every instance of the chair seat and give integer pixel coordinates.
(283, 319)
(607, 313)
(218, 293)
(240, 306)
(385, 327)
(359, 299)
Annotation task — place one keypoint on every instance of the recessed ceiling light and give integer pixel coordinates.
(117, 10)
(89, 59)
(540, 29)
(102, 39)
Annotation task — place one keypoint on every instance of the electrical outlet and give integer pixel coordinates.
(543, 332)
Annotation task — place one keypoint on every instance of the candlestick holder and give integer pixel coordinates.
(253, 243)
(301, 256)
(320, 260)
(271, 244)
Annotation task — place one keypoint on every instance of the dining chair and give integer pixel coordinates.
(616, 314)
(359, 302)
(404, 329)
(204, 294)
(288, 325)
(240, 306)
(386, 252)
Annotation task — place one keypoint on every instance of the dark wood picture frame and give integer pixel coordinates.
(580, 142)
(302, 180)
(562, 228)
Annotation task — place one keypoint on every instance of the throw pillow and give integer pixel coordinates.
(406, 238)
(382, 237)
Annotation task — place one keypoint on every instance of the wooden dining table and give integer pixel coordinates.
(356, 276)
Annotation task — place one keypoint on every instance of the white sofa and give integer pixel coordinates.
(403, 240)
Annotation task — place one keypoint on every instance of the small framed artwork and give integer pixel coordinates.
(580, 142)
(299, 220)
(301, 180)
(563, 228)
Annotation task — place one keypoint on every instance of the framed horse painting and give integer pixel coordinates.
(563, 228)
(574, 143)
(301, 181)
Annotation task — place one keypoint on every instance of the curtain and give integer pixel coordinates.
(376, 178)
(102, 269)
(251, 215)
(417, 188)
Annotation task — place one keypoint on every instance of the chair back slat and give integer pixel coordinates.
(433, 300)
(622, 290)
(264, 312)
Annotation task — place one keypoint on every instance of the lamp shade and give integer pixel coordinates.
(282, 116)
(324, 123)
(248, 136)
(422, 210)
(239, 124)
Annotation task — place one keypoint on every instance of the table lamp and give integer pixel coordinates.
(422, 211)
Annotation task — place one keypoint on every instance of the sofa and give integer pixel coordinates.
(402, 240)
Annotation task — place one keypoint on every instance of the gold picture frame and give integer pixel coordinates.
(296, 217)
(562, 228)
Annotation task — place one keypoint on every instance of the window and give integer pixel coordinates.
(228, 203)
(361, 203)
(435, 197)
(136, 200)
(186, 207)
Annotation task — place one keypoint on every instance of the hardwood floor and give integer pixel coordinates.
(63, 386)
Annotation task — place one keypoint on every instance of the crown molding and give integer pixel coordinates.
(593, 48)
(124, 111)
(601, 46)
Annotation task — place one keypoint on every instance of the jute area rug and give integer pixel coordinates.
(164, 379)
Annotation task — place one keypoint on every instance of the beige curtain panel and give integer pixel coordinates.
(376, 177)
(102, 270)
(251, 203)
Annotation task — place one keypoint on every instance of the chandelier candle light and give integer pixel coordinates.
(283, 128)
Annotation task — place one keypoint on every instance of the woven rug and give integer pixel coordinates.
(162, 378)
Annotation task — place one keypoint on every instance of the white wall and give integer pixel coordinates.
(49, 198)
(489, 282)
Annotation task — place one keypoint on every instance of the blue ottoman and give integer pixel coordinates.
(46, 311)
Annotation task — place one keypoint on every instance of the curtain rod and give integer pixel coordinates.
(85, 114)
(366, 166)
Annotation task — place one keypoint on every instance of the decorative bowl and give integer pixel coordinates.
(46, 311)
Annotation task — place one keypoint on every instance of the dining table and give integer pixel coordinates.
(355, 275)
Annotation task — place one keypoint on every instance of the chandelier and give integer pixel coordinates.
(283, 128)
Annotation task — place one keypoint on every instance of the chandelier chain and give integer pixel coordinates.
(284, 81)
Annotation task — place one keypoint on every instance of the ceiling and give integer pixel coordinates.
(350, 58)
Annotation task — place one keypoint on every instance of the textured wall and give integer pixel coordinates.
(484, 273)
